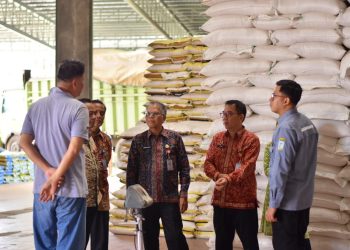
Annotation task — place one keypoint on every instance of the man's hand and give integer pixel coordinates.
(50, 172)
(183, 204)
(270, 214)
(221, 183)
(49, 189)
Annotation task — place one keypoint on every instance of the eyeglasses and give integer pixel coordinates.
(273, 95)
(151, 114)
(227, 114)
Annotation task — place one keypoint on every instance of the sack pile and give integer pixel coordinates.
(15, 167)
(253, 44)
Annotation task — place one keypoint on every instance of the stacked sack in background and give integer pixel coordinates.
(252, 45)
(175, 81)
(15, 167)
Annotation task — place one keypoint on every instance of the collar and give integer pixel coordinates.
(285, 116)
(57, 91)
(164, 132)
(238, 134)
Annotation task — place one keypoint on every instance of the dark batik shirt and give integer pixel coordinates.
(103, 153)
(147, 165)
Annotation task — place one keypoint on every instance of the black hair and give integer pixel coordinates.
(69, 69)
(291, 89)
(85, 100)
(240, 107)
(99, 102)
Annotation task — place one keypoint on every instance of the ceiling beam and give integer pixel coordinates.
(158, 15)
(19, 17)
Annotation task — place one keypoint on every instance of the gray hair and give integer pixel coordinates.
(161, 106)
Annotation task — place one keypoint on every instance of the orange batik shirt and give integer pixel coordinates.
(236, 157)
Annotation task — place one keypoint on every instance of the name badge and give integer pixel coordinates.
(169, 164)
(238, 165)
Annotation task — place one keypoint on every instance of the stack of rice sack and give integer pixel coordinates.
(253, 44)
(15, 167)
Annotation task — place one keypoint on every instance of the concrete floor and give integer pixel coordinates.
(16, 222)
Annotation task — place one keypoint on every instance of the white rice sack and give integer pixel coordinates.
(329, 243)
(243, 36)
(327, 143)
(260, 194)
(343, 146)
(235, 66)
(216, 127)
(263, 109)
(333, 7)
(344, 18)
(344, 82)
(122, 223)
(345, 173)
(326, 201)
(167, 68)
(346, 32)
(258, 123)
(268, 80)
(118, 203)
(345, 65)
(227, 22)
(332, 128)
(201, 188)
(241, 7)
(246, 95)
(259, 167)
(206, 210)
(321, 110)
(167, 99)
(331, 173)
(192, 198)
(120, 213)
(265, 137)
(345, 204)
(204, 200)
(331, 159)
(131, 132)
(330, 187)
(317, 50)
(315, 20)
(161, 53)
(273, 53)
(261, 181)
(120, 194)
(261, 153)
(225, 81)
(346, 42)
(205, 226)
(291, 36)
(265, 22)
(228, 51)
(307, 67)
(309, 82)
(333, 95)
(120, 230)
(164, 84)
(329, 230)
(212, 2)
(189, 226)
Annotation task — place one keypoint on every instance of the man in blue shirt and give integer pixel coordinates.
(292, 169)
(58, 124)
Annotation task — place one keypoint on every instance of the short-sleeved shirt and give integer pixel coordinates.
(53, 121)
(293, 162)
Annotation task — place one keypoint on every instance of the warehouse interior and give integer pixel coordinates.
(191, 55)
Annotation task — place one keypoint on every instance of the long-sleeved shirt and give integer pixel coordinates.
(148, 165)
(236, 157)
(293, 162)
(103, 153)
(91, 171)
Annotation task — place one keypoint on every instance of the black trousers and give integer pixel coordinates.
(97, 228)
(172, 225)
(227, 221)
(288, 233)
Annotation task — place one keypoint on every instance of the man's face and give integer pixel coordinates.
(231, 119)
(154, 118)
(100, 114)
(277, 100)
(92, 115)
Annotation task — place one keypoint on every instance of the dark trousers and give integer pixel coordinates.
(243, 221)
(172, 225)
(97, 226)
(288, 233)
